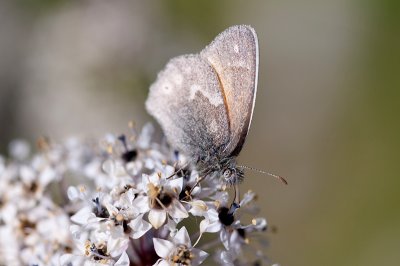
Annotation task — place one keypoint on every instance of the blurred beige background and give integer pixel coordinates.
(326, 115)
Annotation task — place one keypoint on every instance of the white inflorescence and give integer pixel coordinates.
(125, 201)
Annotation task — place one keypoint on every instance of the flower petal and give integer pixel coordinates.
(259, 224)
(168, 170)
(142, 204)
(109, 167)
(139, 227)
(177, 184)
(73, 193)
(117, 246)
(123, 260)
(163, 247)
(66, 259)
(204, 225)
(83, 215)
(247, 197)
(224, 236)
(207, 225)
(176, 210)
(157, 218)
(154, 179)
(199, 207)
(171, 227)
(112, 210)
(199, 256)
(182, 237)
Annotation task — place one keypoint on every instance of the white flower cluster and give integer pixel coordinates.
(127, 201)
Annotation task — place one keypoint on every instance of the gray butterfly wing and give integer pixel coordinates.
(187, 102)
(234, 56)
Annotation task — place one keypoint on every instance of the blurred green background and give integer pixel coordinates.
(326, 117)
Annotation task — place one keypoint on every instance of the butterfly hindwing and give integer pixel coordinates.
(187, 102)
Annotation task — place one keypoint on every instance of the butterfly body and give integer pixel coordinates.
(224, 168)
(204, 102)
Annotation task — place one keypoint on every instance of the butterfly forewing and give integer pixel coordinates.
(234, 56)
(187, 102)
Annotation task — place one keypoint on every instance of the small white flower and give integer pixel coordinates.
(19, 149)
(144, 139)
(130, 204)
(179, 251)
(162, 198)
(93, 211)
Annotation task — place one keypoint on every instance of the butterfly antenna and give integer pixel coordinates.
(282, 179)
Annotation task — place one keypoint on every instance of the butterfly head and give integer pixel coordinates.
(229, 173)
(224, 169)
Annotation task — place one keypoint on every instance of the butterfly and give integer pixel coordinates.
(204, 102)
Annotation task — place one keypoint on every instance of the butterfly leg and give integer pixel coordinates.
(177, 171)
(197, 183)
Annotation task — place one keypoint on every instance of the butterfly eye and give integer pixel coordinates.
(227, 173)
